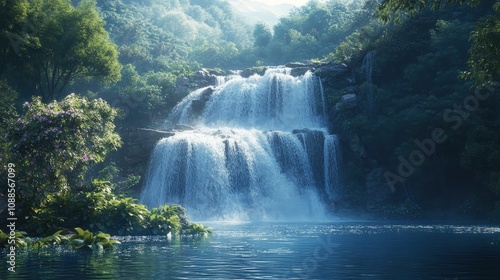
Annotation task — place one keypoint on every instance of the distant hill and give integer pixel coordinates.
(254, 11)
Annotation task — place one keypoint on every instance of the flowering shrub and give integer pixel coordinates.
(54, 144)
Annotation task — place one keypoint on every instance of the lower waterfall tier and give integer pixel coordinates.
(233, 173)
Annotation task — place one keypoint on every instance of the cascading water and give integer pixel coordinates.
(259, 151)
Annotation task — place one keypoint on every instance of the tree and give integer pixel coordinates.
(262, 35)
(484, 54)
(54, 144)
(12, 25)
(8, 115)
(69, 43)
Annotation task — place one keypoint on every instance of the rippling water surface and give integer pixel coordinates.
(284, 251)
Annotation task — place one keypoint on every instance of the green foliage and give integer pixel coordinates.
(395, 9)
(20, 237)
(172, 219)
(172, 30)
(215, 54)
(483, 55)
(121, 215)
(67, 43)
(197, 229)
(55, 239)
(56, 143)
(108, 212)
(144, 98)
(86, 240)
(360, 41)
(104, 211)
(82, 240)
(12, 21)
(310, 31)
(8, 115)
(416, 89)
(262, 35)
(484, 59)
(168, 219)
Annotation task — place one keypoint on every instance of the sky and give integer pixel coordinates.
(276, 2)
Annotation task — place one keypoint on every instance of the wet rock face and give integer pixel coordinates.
(138, 145)
(348, 101)
(252, 71)
(198, 105)
(378, 191)
(202, 78)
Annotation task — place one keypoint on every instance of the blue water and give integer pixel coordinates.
(344, 250)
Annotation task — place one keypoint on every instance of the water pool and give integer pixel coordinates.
(340, 250)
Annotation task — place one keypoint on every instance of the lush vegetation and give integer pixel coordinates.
(82, 240)
(311, 31)
(427, 109)
(55, 147)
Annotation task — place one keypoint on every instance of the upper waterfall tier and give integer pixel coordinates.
(276, 101)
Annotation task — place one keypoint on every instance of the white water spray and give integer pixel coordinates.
(259, 151)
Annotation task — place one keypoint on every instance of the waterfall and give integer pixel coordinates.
(367, 66)
(259, 151)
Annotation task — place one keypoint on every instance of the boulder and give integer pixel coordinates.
(203, 78)
(347, 101)
(252, 71)
(332, 70)
(139, 144)
(300, 71)
(198, 105)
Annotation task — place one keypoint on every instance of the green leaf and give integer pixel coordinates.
(80, 231)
